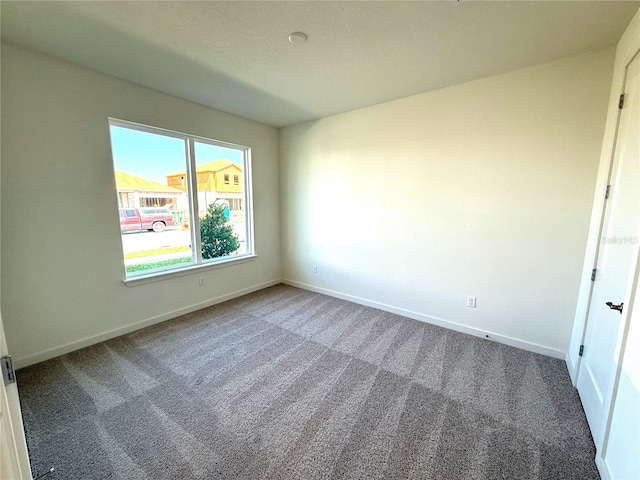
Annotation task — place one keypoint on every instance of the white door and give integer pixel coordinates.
(619, 237)
(14, 460)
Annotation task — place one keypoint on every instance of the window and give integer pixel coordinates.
(236, 180)
(173, 215)
(226, 178)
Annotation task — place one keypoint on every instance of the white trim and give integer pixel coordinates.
(159, 275)
(21, 362)
(441, 322)
(194, 208)
(573, 369)
(14, 456)
(627, 50)
(604, 212)
(192, 183)
(171, 133)
(603, 469)
(249, 220)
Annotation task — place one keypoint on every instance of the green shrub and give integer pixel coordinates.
(216, 235)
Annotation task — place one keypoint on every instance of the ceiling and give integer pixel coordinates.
(235, 56)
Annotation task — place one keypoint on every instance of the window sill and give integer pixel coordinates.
(181, 272)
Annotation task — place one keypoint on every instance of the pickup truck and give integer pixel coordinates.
(156, 219)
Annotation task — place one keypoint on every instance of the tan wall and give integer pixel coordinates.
(62, 282)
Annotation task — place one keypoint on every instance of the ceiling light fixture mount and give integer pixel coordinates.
(297, 38)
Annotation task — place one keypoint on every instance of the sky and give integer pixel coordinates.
(153, 156)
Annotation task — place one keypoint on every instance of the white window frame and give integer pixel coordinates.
(192, 180)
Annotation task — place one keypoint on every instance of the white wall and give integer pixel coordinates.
(479, 189)
(61, 252)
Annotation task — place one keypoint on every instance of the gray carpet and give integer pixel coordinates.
(289, 384)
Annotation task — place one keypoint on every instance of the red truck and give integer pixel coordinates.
(156, 219)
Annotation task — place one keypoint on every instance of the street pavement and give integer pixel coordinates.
(171, 237)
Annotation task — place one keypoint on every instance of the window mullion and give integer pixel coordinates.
(192, 178)
(248, 199)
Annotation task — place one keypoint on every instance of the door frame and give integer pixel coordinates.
(627, 50)
(603, 214)
(14, 457)
(629, 294)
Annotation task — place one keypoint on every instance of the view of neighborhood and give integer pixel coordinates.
(155, 220)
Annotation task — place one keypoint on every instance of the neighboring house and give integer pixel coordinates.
(135, 192)
(219, 179)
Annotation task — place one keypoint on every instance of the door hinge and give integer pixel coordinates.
(621, 101)
(607, 191)
(8, 374)
(581, 351)
(593, 274)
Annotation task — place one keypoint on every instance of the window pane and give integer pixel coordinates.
(151, 185)
(223, 227)
(176, 203)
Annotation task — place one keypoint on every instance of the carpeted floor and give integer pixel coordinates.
(289, 384)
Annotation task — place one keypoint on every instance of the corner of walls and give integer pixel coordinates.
(479, 189)
(62, 285)
(440, 322)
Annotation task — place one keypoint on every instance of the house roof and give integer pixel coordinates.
(127, 181)
(213, 166)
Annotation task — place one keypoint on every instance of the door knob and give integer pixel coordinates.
(615, 307)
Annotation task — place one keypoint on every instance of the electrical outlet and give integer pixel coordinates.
(201, 281)
(315, 269)
(471, 301)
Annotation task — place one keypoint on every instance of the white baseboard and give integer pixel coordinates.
(21, 362)
(513, 342)
(573, 370)
(603, 470)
